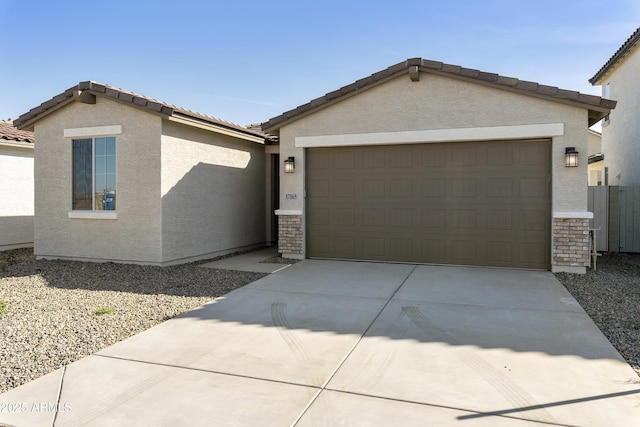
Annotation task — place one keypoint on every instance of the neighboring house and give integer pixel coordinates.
(434, 163)
(621, 129)
(16, 187)
(596, 158)
(124, 178)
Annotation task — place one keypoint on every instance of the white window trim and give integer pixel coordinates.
(93, 214)
(93, 131)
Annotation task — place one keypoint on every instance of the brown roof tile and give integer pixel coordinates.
(8, 132)
(621, 52)
(133, 98)
(597, 106)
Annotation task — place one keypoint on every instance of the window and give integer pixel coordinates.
(94, 174)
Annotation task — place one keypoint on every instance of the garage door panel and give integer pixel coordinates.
(500, 220)
(490, 205)
(373, 217)
(344, 188)
(500, 155)
(344, 245)
(435, 157)
(434, 188)
(401, 188)
(463, 188)
(373, 188)
(374, 247)
(319, 216)
(533, 220)
(432, 250)
(463, 251)
(500, 252)
(373, 159)
(401, 158)
(434, 218)
(533, 154)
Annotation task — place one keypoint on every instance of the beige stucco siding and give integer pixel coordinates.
(16, 196)
(213, 192)
(443, 103)
(135, 236)
(621, 135)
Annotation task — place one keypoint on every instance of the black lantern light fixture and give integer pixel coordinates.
(570, 157)
(289, 165)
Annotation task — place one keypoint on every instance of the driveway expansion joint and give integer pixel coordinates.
(344, 359)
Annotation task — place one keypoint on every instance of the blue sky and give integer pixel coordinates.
(252, 60)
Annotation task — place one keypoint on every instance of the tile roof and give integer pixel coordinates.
(598, 107)
(151, 104)
(9, 132)
(620, 53)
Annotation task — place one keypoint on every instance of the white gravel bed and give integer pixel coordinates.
(611, 297)
(50, 307)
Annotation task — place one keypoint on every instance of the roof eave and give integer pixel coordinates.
(214, 127)
(550, 93)
(273, 125)
(626, 47)
(87, 91)
(16, 144)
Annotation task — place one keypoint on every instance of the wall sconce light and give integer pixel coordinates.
(570, 157)
(289, 165)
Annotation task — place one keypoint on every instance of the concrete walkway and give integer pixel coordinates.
(251, 261)
(347, 343)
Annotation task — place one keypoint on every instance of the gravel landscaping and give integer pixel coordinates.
(55, 312)
(611, 297)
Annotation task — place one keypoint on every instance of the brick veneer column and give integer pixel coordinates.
(571, 242)
(290, 239)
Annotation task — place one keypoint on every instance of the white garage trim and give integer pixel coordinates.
(433, 135)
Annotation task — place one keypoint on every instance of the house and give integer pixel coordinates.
(16, 187)
(596, 158)
(621, 129)
(125, 178)
(435, 163)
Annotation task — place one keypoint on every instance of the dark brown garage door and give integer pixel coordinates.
(465, 203)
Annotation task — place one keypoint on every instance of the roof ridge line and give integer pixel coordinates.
(455, 71)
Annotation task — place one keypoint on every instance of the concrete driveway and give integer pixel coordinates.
(326, 343)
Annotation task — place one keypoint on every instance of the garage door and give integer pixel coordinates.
(466, 203)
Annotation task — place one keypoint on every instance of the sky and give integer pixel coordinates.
(248, 61)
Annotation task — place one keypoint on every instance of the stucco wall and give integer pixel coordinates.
(437, 102)
(135, 236)
(621, 135)
(213, 193)
(16, 197)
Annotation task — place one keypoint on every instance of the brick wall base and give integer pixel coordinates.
(290, 239)
(571, 242)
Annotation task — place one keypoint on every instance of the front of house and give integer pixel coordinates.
(422, 162)
(427, 162)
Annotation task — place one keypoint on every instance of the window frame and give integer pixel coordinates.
(92, 133)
